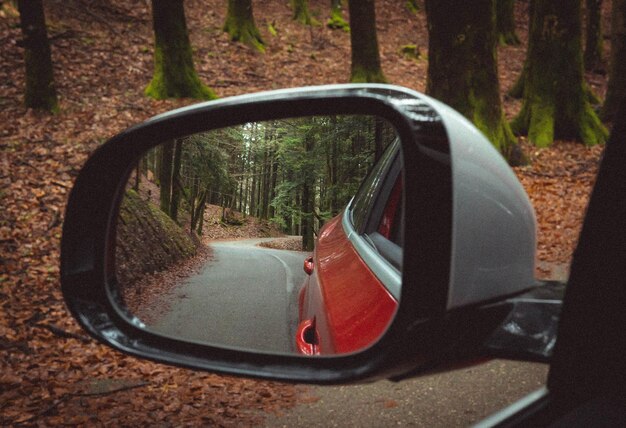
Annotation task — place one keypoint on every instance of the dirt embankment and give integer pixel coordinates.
(148, 241)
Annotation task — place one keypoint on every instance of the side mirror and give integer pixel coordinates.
(396, 240)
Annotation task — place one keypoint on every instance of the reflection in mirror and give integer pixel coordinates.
(238, 237)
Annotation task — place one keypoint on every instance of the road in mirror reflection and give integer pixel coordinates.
(214, 228)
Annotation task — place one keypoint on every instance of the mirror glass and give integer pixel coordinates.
(282, 236)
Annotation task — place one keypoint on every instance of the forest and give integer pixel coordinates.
(296, 173)
(540, 78)
(462, 63)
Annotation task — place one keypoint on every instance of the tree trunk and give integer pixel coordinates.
(138, 175)
(336, 20)
(462, 67)
(150, 162)
(200, 217)
(246, 196)
(165, 178)
(331, 167)
(413, 6)
(259, 192)
(505, 22)
(40, 92)
(556, 102)
(198, 213)
(273, 180)
(308, 201)
(616, 92)
(158, 164)
(239, 203)
(192, 202)
(593, 42)
(253, 186)
(265, 185)
(296, 221)
(365, 57)
(174, 72)
(176, 183)
(240, 24)
(301, 11)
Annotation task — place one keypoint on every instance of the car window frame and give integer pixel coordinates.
(390, 171)
(382, 256)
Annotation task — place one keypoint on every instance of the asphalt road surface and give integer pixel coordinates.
(245, 297)
(453, 399)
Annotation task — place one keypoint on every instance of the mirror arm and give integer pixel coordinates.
(529, 331)
(522, 327)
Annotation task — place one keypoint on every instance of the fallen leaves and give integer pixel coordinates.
(47, 365)
(390, 404)
(558, 182)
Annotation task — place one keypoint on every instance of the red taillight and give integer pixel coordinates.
(308, 265)
(307, 339)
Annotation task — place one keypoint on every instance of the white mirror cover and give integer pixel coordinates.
(493, 222)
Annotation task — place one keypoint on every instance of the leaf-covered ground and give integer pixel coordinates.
(50, 372)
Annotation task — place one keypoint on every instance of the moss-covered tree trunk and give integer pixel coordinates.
(505, 22)
(593, 39)
(556, 102)
(365, 57)
(40, 92)
(462, 68)
(174, 72)
(240, 24)
(301, 11)
(413, 6)
(616, 92)
(336, 20)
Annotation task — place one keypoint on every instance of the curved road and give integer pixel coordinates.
(245, 297)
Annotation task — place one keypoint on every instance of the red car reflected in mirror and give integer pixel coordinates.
(354, 275)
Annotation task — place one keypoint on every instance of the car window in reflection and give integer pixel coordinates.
(363, 202)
